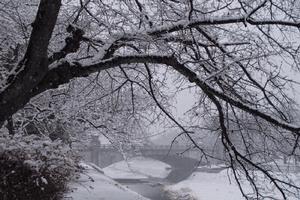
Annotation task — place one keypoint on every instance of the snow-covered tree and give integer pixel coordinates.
(240, 56)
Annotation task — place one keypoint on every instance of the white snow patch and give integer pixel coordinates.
(138, 168)
(216, 186)
(44, 180)
(208, 186)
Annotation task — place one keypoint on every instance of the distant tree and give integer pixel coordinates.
(239, 56)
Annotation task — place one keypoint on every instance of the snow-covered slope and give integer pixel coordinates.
(138, 168)
(216, 186)
(94, 185)
(206, 186)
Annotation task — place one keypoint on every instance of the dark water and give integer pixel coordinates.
(148, 188)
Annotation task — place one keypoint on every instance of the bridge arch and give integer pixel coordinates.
(182, 164)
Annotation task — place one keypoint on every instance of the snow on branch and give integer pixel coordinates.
(62, 74)
(186, 24)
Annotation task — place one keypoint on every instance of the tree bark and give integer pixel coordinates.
(34, 66)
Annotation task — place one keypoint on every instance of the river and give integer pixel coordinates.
(152, 189)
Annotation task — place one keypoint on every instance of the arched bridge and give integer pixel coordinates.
(104, 155)
(178, 157)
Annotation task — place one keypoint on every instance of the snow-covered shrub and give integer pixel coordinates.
(35, 168)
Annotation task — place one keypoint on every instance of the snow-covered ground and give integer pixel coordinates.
(214, 183)
(211, 186)
(205, 186)
(94, 185)
(138, 168)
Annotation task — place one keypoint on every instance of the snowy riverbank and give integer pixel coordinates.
(214, 185)
(205, 186)
(94, 185)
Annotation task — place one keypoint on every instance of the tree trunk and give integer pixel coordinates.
(34, 66)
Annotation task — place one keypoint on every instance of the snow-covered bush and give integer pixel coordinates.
(35, 168)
